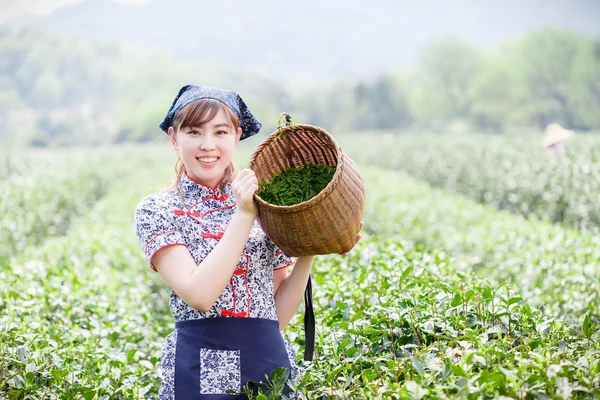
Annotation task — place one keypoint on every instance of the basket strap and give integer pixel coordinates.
(309, 322)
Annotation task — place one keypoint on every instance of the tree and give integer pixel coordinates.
(447, 69)
(497, 94)
(547, 60)
(381, 104)
(583, 92)
(46, 92)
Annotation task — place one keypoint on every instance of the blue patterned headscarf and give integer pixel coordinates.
(249, 124)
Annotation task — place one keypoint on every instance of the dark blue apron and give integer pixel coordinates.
(213, 352)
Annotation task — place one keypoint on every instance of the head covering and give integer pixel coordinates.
(249, 124)
(556, 134)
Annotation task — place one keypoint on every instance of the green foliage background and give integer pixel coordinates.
(446, 296)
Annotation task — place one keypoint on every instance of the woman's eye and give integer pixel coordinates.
(221, 132)
(193, 133)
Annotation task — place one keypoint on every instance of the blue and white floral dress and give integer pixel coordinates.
(196, 216)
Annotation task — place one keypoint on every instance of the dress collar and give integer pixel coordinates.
(195, 191)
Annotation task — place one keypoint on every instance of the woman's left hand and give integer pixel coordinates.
(358, 236)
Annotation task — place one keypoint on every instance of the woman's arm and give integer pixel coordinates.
(201, 285)
(290, 291)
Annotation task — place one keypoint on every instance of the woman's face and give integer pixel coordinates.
(207, 150)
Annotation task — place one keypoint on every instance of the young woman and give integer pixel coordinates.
(230, 291)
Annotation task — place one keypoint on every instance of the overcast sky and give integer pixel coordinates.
(10, 9)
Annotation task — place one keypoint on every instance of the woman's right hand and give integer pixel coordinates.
(244, 186)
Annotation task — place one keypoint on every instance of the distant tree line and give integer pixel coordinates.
(547, 76)
(57, 90)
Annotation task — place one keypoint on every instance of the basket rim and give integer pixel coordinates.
(324, 193)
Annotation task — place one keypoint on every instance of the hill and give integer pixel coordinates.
(312, 38)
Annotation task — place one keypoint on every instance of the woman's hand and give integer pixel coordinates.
(358, 236)
(244, 186)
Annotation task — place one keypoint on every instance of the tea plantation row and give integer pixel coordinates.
(512, 173)
(419, 309)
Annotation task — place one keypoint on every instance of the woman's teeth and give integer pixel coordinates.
(209, 159)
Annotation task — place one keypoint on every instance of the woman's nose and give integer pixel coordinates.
(207, 143)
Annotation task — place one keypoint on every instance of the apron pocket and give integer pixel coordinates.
(220, 370)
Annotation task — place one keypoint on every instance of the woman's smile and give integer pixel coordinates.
(207, 161)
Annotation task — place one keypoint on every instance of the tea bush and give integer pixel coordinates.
(511, 173)
(443, 298)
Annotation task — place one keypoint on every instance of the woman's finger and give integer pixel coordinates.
(249, 191)
(242, 174)
(251, 181)
(243, 177)
(243, 183)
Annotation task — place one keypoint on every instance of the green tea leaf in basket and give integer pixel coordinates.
(296, 185)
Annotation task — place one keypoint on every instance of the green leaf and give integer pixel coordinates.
(405, 273)
(130, 354)
(29, 377)
(487, 293)
(351, 351)
(445, 372)
(344, 344)
(22, 353)
(587, 326)
(296, 185)
(418, 364)
(56, 374)
(31, 367)
(18, 381)
(334, 372)
(508, 373)
(469, 295)
(514, 300)
(304, 380)
(457, 300)
(457, 370)
(369, 375)
(280, 377)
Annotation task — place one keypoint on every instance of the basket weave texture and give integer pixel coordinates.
(329, 222)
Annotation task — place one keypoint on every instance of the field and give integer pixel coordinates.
(478, 275)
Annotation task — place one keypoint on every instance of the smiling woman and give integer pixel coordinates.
(202, 237)
(230, 291)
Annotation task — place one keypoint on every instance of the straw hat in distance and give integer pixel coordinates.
(555, 133)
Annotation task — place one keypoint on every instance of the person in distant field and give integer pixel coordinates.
(230, 290)
(555, 137)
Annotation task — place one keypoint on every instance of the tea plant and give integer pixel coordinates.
(42, 195)
(512, 173)
(552, 266)
(400, 323)
(80, 316)
(444, 298)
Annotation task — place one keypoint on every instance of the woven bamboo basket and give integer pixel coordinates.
(329, 222)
